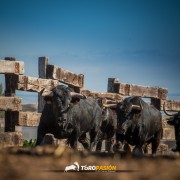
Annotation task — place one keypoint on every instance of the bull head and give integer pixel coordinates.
(61, 97)
(174, 116)
(125, 115)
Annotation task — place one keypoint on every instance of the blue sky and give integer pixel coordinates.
(135, 41)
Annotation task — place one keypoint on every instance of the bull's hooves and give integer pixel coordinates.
(127, 148)
(137, 152)
(98, 151)
(175, 149)
(117, 147)
(48, 139)
(111, 152)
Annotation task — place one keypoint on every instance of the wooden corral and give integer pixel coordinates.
(136, 90)
(8, 139)
(65, 76)
(158, 95)
(112, 96)
(49, 77)
(33, 84)
(28, 119)
(10, 104)
(170, 105)
(142, 91)
(9, 67)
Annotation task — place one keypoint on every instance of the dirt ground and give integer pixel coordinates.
(49, 163)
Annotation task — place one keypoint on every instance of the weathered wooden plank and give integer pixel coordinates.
(163, 93)
(9, 139)
(171, 105)
(111, 82)
(33, 84)
(121, 88)
(65, 76)
(11, 67)
(10, 91)
(142, 91)
(168, 133)
(113, 96)
(28, 119)
(156, 103)
(10, 103)
(43, 62)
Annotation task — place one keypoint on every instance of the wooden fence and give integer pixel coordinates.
(49, 77)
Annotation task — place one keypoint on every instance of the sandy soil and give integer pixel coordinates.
(50, 162)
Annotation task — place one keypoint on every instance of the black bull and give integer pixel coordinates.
(139, 124)
(175, 121)
(70, 115)
(108, 128)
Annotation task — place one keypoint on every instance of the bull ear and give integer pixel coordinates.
(46, 92)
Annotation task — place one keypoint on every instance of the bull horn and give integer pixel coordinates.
(141, 105)
(137, 107)
(46, 92)
(77, 95)
(167, 113)
(110, 105)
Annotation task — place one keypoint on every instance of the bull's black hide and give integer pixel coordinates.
(139, 124)
(70, 115)
(175, 121)
(108, 129)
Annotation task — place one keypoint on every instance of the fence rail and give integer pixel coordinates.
(143, 91)
(65, 76)
(49, 77)
(10, 103)
(107, 95)
(28, 119)
(11, 67)
(33, 84)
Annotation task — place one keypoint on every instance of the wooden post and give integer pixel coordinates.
(156, 103)
(10, 116)
(43, 62)
(11, 139)
(111, 82)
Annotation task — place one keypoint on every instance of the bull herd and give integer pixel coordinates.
(69, 115)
